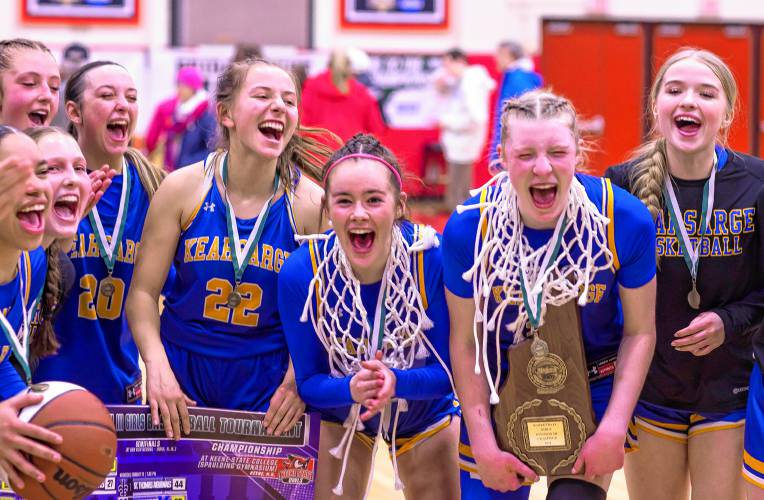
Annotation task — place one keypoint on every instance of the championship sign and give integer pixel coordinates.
(228, 454)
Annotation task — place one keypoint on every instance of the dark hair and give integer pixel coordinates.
(77, 48)
(457, 55)
(8, 46)
(246, 51)
(149, 175)
(303, 150)
(370, 145)
(43, 340)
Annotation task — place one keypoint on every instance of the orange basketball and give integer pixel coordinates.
(89, 441)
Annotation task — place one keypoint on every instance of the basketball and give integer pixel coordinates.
(89, 441)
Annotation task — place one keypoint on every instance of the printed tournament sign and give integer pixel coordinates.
(227, 455)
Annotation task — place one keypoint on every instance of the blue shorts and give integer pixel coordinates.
(406, 443)
(753, 451)
(472, 487)
(678, 425)
(235, 384)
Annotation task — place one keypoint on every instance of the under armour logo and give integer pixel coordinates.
(209, 207)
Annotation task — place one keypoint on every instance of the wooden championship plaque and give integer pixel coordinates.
(545, 410)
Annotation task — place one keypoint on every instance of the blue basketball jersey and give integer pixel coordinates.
(97, 349)
(196, 314)
(425, 386)
(631, 239)
(19, 295)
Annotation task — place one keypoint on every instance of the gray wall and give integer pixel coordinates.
(272, 22)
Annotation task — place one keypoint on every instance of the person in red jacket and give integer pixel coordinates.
(335, 100)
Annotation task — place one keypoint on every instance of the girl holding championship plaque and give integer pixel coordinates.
(542, 235)
(367, 326)
(227, 224)
(97, 351)
(706, 201)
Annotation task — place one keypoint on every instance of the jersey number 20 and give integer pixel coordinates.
(94, 305)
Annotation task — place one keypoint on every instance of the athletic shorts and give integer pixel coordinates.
(472, 486)
(235, 384)
(678, 425)
(406, 443)
(753, 451)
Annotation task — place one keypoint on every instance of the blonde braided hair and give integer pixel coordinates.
(651, 161)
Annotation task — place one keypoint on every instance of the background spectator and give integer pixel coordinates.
(335, 100)
(518, 77)
(74, 56)
(183, 126)
(464, 92)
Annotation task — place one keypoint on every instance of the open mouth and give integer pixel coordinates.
(65, 208)
(31, 218)
(543, 196)
(117, 130)
(272, 129)
(38, 117)
(687, 124)
(361, 239)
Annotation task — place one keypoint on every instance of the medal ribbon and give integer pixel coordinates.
(691, 254)
(108, 248)
(532, 297)
(20, 346)
(241, 255)
(380, 313)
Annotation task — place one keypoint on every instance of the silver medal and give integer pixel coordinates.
(234, 299)
(539, 347)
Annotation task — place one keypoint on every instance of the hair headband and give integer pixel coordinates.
(368, 157)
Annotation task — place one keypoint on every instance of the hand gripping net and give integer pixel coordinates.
(335, 309)
(497, 263)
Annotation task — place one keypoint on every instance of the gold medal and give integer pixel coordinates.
(234, 299)
(693, 298)
(107, 287)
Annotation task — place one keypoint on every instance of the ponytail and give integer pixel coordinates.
(43, 342)
(149, 175)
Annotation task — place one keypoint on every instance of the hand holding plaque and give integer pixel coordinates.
(545, 412)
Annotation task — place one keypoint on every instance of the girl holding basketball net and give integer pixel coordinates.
(577, 238)
(707, 204)
(370, 344)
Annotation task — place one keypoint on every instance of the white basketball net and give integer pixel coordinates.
(340, 312)
(497, 263)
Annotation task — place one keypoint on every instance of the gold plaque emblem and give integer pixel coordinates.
(547, 373)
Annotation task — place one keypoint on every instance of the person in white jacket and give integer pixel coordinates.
(463, 114)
